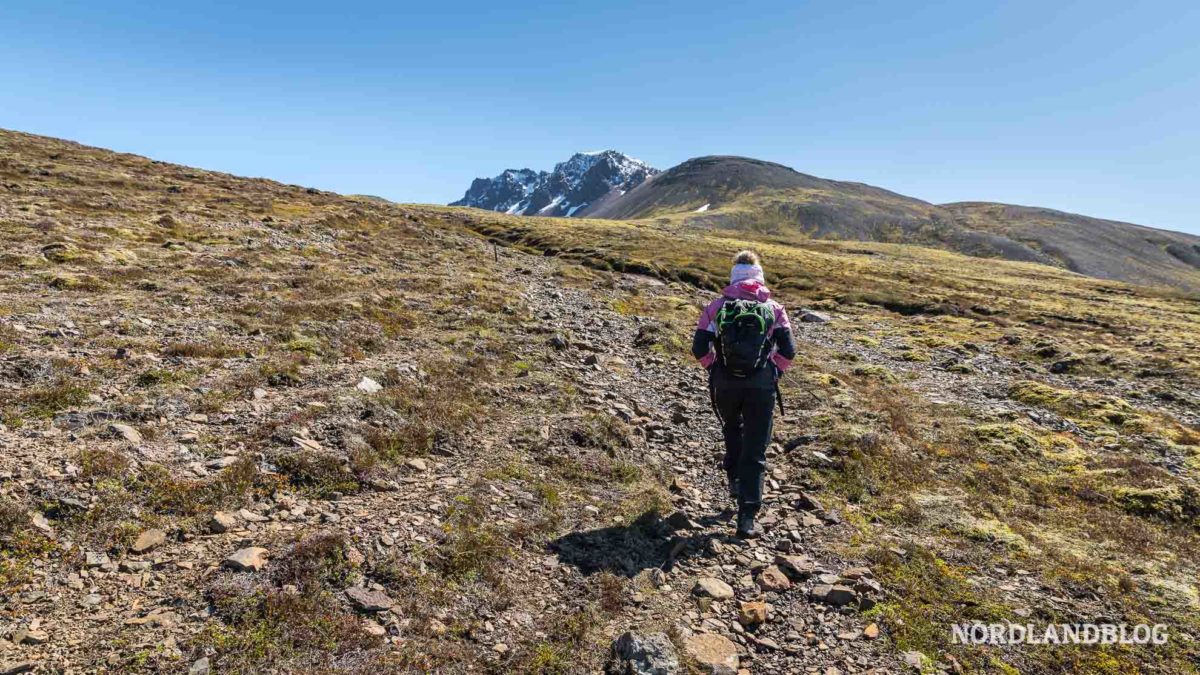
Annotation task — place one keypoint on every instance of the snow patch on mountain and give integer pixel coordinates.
(566, 191)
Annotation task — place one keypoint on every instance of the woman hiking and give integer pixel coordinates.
(744, 340)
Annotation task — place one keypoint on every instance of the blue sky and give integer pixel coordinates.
(1092, 107)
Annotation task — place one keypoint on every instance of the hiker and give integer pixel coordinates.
(744, 341)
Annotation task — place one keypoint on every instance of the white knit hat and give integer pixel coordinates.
(743, 272)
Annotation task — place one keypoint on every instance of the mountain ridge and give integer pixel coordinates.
(758, 196)
(570, 189)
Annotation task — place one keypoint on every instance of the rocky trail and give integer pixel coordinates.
(776, 604)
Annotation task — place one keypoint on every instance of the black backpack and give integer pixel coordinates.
(743, 336)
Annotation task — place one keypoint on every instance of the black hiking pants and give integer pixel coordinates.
(746, 417)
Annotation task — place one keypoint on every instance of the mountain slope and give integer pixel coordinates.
(574, 186)
(1106, 249)
(766, 198)
(528, 473)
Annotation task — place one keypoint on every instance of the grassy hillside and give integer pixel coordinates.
(756, 198)
(180, 355)
(1010, 426)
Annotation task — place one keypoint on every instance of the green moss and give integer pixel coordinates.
(1006, 436)
(1169, 503)
(875, 372)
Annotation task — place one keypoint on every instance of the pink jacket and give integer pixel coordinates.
(748, 289)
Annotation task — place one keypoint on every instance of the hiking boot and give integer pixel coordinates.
(746, 529)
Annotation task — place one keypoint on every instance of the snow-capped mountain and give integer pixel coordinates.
(574, 188)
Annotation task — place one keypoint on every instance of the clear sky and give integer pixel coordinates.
(1092, 107)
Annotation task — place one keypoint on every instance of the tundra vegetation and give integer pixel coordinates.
(179, 354)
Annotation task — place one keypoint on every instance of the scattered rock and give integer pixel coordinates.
(250, 559)
(871, 631)
(773, 579)
(417, 464)
(199, 666)
(127, 432)
(149, 540)
(809, 316)
(836, 595)
(916, 660)
(797, 567)
(856, 573)
(41, 523)
(648, 654)
(752, 613)
(368, 600)
(368, 385)
(714, 653)
(710, 587)
(306, 444)
(680, 521)
(222, 521)
(252, 517)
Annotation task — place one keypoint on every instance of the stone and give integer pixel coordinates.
(149, 540)
(871, 631)
(714, 653)
(916, 660)
(252, 517)
(836, 595)
(368, 385)
(250, 559)
(306, 444)
(127, 432)
(417, 464)
(17, 668)
(41, 523)
(368, 600)
(752, 613)
(199, 666)
(797, 567)
(866, 586)
(95, 559)
(773, 579)
(222, 521)
(644, 654)
(807, 502)
(856, 573)
(809, 316)
(680, 521)
(710, 587)
(374, 628)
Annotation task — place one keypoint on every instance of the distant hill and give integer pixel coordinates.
(1107, 249)
(751, 195)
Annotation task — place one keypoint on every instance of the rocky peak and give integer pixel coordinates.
(568, 190)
